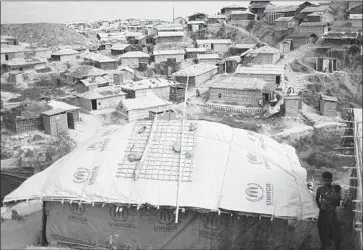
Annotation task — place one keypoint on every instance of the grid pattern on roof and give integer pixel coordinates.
(159, 161)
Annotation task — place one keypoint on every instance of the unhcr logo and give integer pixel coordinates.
(254, 159)
(77, 208)
(81, 175)
(118, 215)
(165, 219)
(254, 192)
(211, 221)
(94, 146)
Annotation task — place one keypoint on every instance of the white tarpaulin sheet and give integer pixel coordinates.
(224, 168)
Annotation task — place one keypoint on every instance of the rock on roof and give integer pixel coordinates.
(195, 69)
(63, 52)
(217, 41)
(261, 69)
(134, 54)
(150, 100)
(120, 46)
(168, 52)
(148, 83)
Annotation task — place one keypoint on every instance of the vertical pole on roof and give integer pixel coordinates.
(181, 151)
(173, 14)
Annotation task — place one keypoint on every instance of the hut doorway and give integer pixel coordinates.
(94, 104)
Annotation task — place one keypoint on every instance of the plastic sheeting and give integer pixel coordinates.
(12, 178)
(232, 169)
(74, 225)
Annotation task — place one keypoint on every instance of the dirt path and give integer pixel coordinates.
(244, 32)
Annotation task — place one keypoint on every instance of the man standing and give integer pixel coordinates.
(328, 224)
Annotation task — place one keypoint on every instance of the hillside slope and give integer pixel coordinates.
(45, 34)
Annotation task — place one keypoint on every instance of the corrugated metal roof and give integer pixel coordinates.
(189, 50)
(98, 58)
(148, 83)
(120, 46)
(10, 49)
(312, 24)
(244, 45)
(61, 105)
(53, 112)
(62, 52)
(134, 54)
(86, 70)
(94, 81)
(102, 92)
(261, 69)
(215, 41)
(321, 8)
(195, 69)
(329, 98)
(284, 19)
(22, 61)
(171, 34)
(265, 50)
(240, 83)
(281, 8)
(208, 56)
(150, 100)
(168, 52)
(239, 12)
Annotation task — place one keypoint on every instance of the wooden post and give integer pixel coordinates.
(44, 226)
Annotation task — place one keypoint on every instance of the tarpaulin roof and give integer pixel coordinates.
(222, 168)
(150, 100)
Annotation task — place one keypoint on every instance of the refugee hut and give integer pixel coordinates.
(272, 13)
(314, 27)
(73, 112)
(91, 83)
(342, 38)
(64, 55)
(263, 55)
(242, 15)
(216, 19)
(134, 58)
(208, 58)
(123, 75)
(26, 117)
(196, 26)
(167, 37)
(240, 91)
(101, 61)
(326, 11)
(328, 65)
(227, 10)
(162, 113)
(16, 77)
(55, 121)
(101, 98)
(158, 86)
(291, 105)
(270, 73)
(22, 64)
(217, 45)
(240, 48)
(258, 8)
(120, 48)
(10, 40)
(163, 55)
(138, 108)
(193, 52)
(177, 93)
(299, 39)
(81, 72)
(284, 23)
(9, 52)
(328, 105)
(132, 192)
(198, 74)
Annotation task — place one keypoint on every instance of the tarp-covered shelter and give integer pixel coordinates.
(126, 182)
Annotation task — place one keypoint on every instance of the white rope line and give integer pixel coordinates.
(181, 151)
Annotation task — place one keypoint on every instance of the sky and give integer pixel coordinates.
(85, 11)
